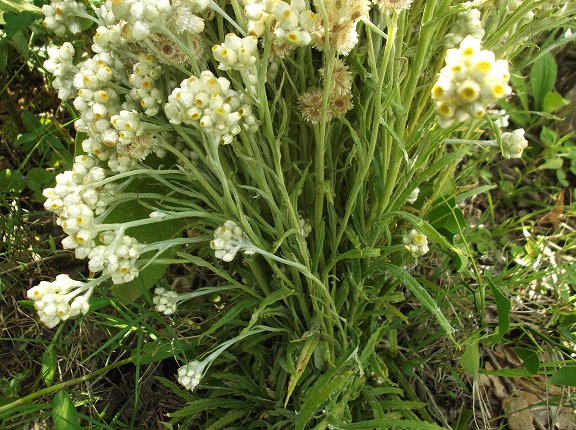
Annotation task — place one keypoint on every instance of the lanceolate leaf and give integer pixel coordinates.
(504, 306)
(542, 78)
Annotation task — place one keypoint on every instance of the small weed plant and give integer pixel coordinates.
(296, 163)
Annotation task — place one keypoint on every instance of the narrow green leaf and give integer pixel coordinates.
(542, 78)
(549, 136)
(530, 359)
(321, 395)
(160, 349)
(230, 315)
(64, 413)
(422, 295)
(564, 376)
(176, 389)
(205, 404)
(229, 417)
(503, 305)
(305, 354)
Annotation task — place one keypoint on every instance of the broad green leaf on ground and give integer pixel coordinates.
(564, 376)
(64, 413)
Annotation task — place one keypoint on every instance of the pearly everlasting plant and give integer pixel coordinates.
(293, 157)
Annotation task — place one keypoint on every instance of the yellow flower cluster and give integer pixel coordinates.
(471, 80)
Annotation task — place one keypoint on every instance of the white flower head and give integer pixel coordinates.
(513, 143)
(471, 80)
(416, 243)
(165, 301)
(228, 240)
(59, 300)
(190, 374)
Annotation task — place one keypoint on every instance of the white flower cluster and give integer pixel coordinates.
(60, 64)
(63, 15)
(190, 374)
(116, 257)
(210, 103)
(236, 53)
(132, 140)
(115, 132)
(239, 54)
(97, 101)
(416, 243)
(228, 240)
(291, 22)
(165, 301)
(294, 22)
(467, 23)
(513, 143)
(501, 118)
(145, 91)
(59, 300)
(140, 16)
(471, 80)
(76, 203)
(388, 6)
